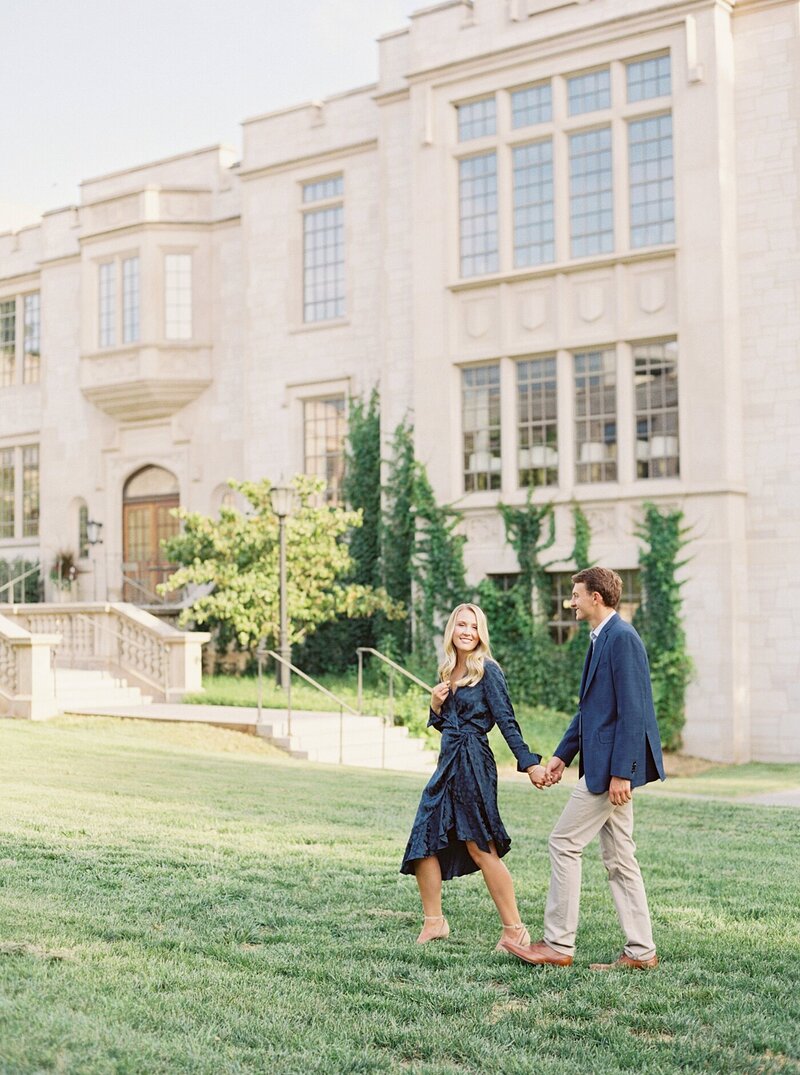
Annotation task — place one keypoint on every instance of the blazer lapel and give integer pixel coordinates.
(598, 649)
(586, 664)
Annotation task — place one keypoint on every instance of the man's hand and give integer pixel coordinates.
(619, 791)
(554, 771)
(538, 775)
(438, 696)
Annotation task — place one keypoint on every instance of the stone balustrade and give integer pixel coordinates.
(137, 646)
(27, 684)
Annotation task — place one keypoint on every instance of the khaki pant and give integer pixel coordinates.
(584, 816)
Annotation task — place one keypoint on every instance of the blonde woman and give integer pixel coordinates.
(458, 829)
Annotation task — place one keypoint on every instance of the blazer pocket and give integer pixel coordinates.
(606, 738)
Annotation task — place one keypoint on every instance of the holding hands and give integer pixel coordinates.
(544, 776)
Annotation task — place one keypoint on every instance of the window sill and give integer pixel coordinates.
(602, 261)
(318, 326)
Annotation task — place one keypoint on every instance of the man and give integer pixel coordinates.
(616, 734)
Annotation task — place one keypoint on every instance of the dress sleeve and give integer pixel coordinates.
(435, 720)
(496, 693)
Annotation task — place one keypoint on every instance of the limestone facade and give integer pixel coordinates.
(492, 235)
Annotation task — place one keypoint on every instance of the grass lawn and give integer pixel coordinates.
(185, 900)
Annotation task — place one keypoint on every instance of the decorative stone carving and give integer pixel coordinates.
(533, 309)
(483, 529)
(602, 521)
(146, 382)
(652, 292)
(477, 318)
(591, 301)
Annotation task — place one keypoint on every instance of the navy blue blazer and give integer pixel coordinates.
(615, 729)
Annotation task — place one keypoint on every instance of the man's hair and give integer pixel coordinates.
(603, 581)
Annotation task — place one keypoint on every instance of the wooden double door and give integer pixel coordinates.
(147, 521)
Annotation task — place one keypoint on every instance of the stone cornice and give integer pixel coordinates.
(561, 268)
(562, 42)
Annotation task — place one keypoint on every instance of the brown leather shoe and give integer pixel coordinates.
(538, 954)
(625, 962)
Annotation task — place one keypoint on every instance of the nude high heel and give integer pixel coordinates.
(442, 932)
(520, 936)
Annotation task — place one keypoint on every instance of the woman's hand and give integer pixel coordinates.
(538, 775)
(438, 696)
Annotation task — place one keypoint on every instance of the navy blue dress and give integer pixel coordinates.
(460, 800)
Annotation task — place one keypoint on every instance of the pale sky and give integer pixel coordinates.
(93, 86)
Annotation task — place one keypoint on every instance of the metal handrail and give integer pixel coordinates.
(9, 586)
(157, 598)
(136, 645)
(393, 666)
(260, 654)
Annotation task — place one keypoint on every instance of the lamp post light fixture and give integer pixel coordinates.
(94, 531)
(282, 500)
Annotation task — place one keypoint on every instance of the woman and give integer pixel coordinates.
(458, 829)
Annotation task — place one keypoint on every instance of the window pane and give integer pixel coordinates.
(31, 357)
(106, 304)
(534, 229)
(590, 92)
(83, 531)
(30, 491)
(8, 341)
(6, 492)
(591, 197)
(631, 596)
(651, 182)
(656, 390)
(481, 423)
(596, 416)
(477, 119)
(323, 264)
(537, 427)
(323, 188)
(649, 78)
(478, 213)
(130, 300)
(562, 619)
(531, 105)
(324, 431)
(178, 296)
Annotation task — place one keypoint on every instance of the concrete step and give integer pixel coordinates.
(94, 688)
(314, 735)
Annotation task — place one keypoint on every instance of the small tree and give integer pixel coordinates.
(659, 618)
(237, 556)
(398, 537)
(332, 647)
(437, 566)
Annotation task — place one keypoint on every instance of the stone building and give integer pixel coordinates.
(562, 234)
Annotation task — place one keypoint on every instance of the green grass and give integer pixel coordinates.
(184, 900)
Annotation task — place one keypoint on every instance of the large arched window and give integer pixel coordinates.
(148, 500)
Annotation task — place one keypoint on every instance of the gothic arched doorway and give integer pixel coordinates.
(147, 502)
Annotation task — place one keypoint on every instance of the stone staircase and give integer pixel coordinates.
(94, 690)
(352, 740)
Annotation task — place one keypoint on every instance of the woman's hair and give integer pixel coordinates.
(475, 658)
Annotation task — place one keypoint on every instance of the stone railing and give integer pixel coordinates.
(27, 684)
(122, 638)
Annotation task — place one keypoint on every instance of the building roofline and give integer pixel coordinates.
(369, 88)
(160, 160)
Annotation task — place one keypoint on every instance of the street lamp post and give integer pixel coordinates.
(94, 532)
(281, 497)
